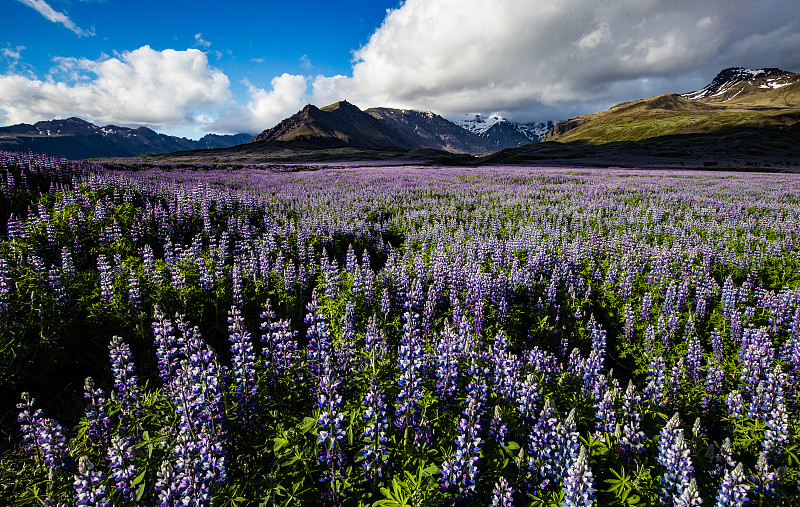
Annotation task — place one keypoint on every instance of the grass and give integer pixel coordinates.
(636, 124)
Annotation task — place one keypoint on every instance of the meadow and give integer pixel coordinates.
(247, 335)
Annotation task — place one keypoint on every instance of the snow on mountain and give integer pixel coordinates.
(730, 79)
(501, 133)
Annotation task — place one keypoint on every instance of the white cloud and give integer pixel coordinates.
(529, 56)
(265, 108)
(166, 88)
(51, 14)
(198, 37)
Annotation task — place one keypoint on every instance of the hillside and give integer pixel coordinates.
(737, 98)
(431, 130)
(338, 125)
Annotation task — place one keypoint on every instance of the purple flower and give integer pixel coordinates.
(120, 456)
(579, 483)
(98, 424)
(673, 454)
(376, 431)
(459, 472)
(106, 279)
(502, 494)
(244, 367)
(331, 432)
(732, 491)
(280, 346)
(5, 288)
(126, 383)
(43, 437)
(410, 362)
(88, 485)
(448, 352)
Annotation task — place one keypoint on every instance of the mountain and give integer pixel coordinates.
(500, 133)
(78, 139)
(430, 130)
(338, 125)
(736, 98)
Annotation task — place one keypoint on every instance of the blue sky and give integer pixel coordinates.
(189, 68)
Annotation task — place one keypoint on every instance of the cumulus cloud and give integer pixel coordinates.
(534, 56)
(51, 14)
(265, 108)
(166, 88)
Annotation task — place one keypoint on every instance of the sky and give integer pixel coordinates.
(190, 68)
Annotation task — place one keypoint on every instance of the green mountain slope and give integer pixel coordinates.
(735, 99)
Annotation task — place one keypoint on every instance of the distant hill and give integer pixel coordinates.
(736, 98)
(78, 139)
(499, 133)
(338, 125)
(430, 130)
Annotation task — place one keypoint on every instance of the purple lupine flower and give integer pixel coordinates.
(197, 396)
(56, 286)
(673, 454)
(244, 366)
(714, 378)
(764, 479)
(386, 302)
(331, 432)
(647, 304)
(502, 494)
(280, 344)
(126, 383)
(98, 430)
(579, 483)
(656, 379)
(497, 428)
(319, 338)
(236, 284)
(632, 437)
(376, 431)
(528, 397)
(167, 348)
(88, 485)
(43, 438)
(5, 288)
(542, 442)
(120, 457)
(374, 342)
(723, 459)
(716, 345)
(776, 433)
(690, 497)
(447, 355)
(410, 362)
(505, 372)
(134, 293)
(630, 322)
(693, 358)
(459, 472)
(732, 491)
(344, 347)
(106, 279)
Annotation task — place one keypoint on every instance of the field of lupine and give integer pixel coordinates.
(240, 335)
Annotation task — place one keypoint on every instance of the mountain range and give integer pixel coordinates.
(730, 120)
(737, 98)
(78, 139)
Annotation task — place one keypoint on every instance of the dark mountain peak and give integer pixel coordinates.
(733, 79)
(341, 105)
(337, 124)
